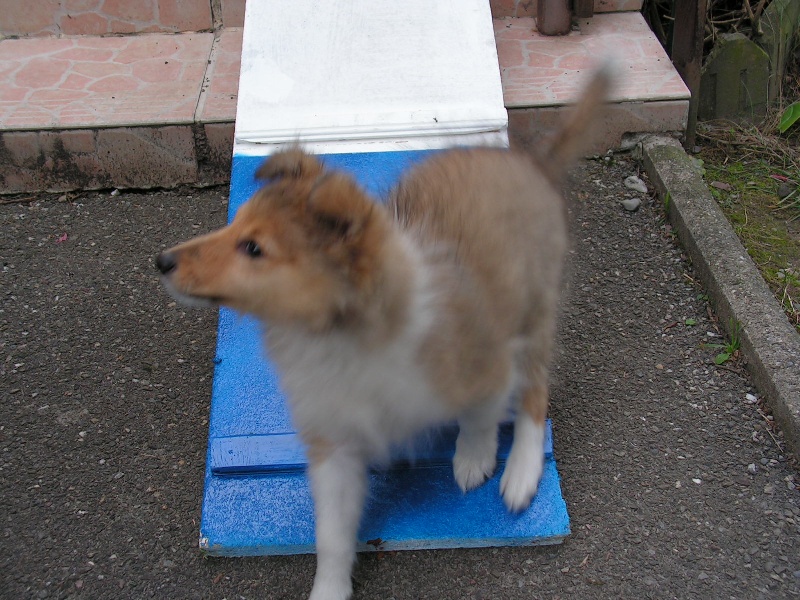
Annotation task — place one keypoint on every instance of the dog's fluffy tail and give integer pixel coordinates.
(575, 134)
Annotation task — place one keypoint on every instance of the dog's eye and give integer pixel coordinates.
(250, 248)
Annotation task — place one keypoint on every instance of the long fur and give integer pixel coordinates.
(386, 320)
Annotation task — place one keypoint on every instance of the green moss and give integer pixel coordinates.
(770, 238)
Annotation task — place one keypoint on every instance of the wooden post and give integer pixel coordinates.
(583, 9)
(553, 17)
(687, 54)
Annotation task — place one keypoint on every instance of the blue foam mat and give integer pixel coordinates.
(256, 499)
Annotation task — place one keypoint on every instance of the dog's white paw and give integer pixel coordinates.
(330, 588)
(475, 459)
(519, 482)
(525, 464)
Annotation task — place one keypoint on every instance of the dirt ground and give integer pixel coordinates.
(675, 483)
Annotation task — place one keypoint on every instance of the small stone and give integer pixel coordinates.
(630, 204)
(635, 184)
(752, 469)
(115, 193)
(720, 185)
(751, 399)
(703, 576)
(769, 489)
(785, 189)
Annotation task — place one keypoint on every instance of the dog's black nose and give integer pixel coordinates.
(166, 262)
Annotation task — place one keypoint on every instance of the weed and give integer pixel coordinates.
(731, 347)
(766, 228)
(789, 117)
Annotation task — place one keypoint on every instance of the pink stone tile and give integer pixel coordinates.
(157, 70)
(85, 54)
(527, 8)
(82, 5)
(12, 95)
(617, 5)
(145, 79)
(128, 27)
(56, 97)
(101, 17)
(151, 46)
(130, 11)
(95, 70)
(29, 18)
(114, 84)
(218, 98)
(22, 50)
(513, 8)
(233, 13)
(83, 24)
(41, 72)
(551, 70)
(185, 15)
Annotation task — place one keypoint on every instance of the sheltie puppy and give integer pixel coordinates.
(385, 320)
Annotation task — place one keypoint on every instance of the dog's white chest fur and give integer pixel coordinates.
(345, 392)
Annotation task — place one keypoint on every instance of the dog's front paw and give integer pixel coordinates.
(474, 463)
(330, 588)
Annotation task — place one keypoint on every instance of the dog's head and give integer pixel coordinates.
(301, 250)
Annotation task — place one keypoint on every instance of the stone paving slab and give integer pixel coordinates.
(79, 82)
(82, 17)
(217, 102)
(527, 8)
(92, 17)
(54, 91)
(739, 294)
(539, 70)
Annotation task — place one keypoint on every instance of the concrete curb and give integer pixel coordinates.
(737, 290)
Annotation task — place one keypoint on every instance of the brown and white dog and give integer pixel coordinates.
(385, 320)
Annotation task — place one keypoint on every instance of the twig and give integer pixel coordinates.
(770, 425)
(731, 369)
(760, 8)
(18, 200)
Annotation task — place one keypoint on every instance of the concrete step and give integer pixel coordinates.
(157, 110)
(121, 17)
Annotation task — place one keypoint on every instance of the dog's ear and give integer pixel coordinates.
(292, 163)
(339, 208)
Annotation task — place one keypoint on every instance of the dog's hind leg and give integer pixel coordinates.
(338, 484)
(525, 463)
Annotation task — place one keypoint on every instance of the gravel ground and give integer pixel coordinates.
(676, 485)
